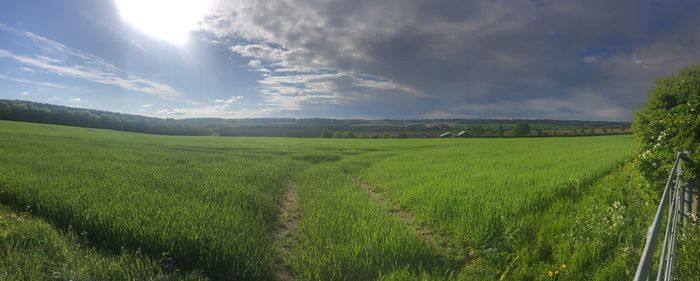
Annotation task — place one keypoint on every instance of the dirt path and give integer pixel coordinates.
(438, 241)
(458, 256)
(284, 240)
(403, 215)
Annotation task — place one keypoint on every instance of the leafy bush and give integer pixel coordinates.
(669, 123)
(521, 129)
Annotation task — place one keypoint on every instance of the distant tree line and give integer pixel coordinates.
(292, 127)
(524, 129)
(326, 133)
(62, 115)
(521, 129)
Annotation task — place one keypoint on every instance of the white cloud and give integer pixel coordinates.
(27, 69)
(144, 107)
(72, 99)
(54, 98)
(448, 53)
(295, 78)
(255, 63)
(81, 65)
(294, 59)
(221, 108)
(231, 100)
(591, 59)
(24, 93)
(26, 81)
(221, 111)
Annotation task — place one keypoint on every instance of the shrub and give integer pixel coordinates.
(478, 130)
(669, 123)
(521, 129)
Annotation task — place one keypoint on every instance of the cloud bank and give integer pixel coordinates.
(424, 58)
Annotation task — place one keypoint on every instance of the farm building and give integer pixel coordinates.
(447, 135)
(462, 134)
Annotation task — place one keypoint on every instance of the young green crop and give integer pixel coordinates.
(31, 249)
(470, 188)
(211, 203)
(345, 235)
(207, 206)
(597, 234)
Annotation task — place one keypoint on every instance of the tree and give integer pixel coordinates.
(478, 130)
(4, 110)
(347, 135)
(27, 111)
(325, 133)
(521, 129)
(668, 124)
(501, 131)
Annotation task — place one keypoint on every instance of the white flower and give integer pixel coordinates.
(616, 204)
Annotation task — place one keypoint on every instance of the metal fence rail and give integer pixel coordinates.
(676, 196)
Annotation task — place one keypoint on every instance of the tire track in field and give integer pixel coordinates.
(440, 242)
(284, 238)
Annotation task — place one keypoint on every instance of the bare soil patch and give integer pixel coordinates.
(286, 229)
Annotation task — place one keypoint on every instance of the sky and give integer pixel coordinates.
(370, 59)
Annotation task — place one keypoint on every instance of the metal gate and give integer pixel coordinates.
(677, 197)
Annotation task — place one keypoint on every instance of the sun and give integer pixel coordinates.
(170, 20)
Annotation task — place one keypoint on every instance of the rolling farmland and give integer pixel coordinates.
(329, 209)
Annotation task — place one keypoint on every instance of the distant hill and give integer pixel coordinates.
(315, 127)
(27, 111)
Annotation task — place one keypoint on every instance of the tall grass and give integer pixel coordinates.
(469, 189)
(593, 235)
(208, 208)
(211, 204)
(31, 249)
(345, 235)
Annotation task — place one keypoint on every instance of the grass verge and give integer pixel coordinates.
(32, 249)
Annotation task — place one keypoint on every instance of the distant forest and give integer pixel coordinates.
(61, 115)
(27, 111)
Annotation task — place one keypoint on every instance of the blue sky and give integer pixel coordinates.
(592, 60)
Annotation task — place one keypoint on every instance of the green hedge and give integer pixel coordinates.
(669, 123)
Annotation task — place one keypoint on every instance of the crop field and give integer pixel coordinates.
(326, 209)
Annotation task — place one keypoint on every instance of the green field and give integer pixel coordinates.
(429, 209)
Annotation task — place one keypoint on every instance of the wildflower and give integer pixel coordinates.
(550, 273)
(617, 204)
(556, 272)
(563, 266)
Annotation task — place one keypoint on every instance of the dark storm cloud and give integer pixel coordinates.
(536, 59)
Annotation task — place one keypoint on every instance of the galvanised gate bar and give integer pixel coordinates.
(677, 197)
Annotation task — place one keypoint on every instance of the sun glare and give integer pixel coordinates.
(170, 20)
